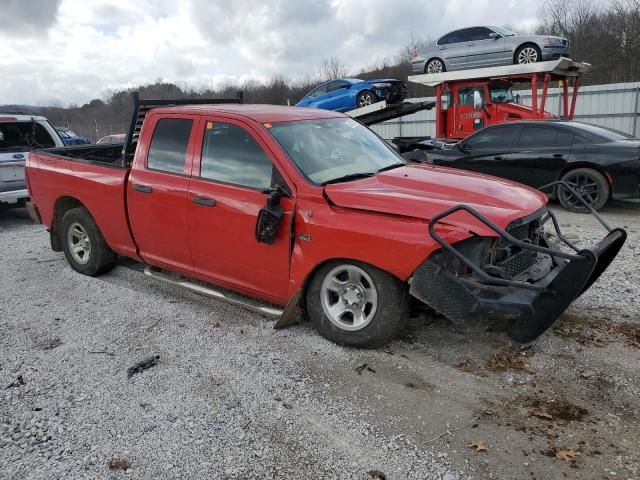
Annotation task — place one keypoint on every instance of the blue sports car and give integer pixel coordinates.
(345, 94)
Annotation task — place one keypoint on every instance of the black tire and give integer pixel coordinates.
(366, 98)
(587, 181)
(530, 49)
(100, 258)
(389, 318)
(435, 65)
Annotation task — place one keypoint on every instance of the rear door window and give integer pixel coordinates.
(496, 137)
(168, 150)
(231, 155)
(454, 37)
(544, 137)
(24, 136)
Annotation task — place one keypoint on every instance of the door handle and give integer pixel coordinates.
(498, 158)
(558, 155)
(204, 201)
(142, 188)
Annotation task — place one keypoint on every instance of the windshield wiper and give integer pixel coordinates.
(391, 167)
(348, 178)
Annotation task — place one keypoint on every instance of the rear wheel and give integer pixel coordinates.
(352, 303)
(366, 98)
(528, 54)
(83, 244)
(435, 65)
(590, 184)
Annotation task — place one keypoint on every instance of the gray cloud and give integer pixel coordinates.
(28, 16)
(96, 46)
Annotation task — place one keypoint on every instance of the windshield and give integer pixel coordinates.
(504, 32)
(329, 149)
(501, 93)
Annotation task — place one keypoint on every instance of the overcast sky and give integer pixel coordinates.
(70, 51)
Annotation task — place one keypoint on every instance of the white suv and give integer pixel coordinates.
(19, 134)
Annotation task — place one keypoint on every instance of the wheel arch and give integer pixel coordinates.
(516, 51)
(62, 205)
(306, 280)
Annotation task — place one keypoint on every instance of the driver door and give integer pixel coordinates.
(232, 168)
(335, 99)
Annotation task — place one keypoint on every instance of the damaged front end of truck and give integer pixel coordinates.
(525, 277)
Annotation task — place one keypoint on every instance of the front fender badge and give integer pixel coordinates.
(305, 237)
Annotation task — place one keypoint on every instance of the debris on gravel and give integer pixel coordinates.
(143, 365)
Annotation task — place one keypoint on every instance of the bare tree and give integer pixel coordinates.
(332, 68)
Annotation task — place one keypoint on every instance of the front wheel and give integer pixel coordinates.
(83, 243)
(528, 54)
(590, 184)
(366, 98)
(352, 303)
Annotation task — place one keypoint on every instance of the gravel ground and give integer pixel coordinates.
(232, 398)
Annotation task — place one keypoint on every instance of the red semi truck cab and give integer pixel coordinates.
(311, 215)
(468, 100)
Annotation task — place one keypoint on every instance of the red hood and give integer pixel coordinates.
(426, 190)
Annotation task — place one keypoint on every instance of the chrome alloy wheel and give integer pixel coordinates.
(365, 100)
(434, 66)
(527, 55)
(79, 244)
(349, 297)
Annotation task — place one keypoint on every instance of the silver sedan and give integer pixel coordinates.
(477, 47)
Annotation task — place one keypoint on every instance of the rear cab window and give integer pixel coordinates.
(169, 144)
(24, 137)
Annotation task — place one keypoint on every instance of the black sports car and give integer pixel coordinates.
(599, 163)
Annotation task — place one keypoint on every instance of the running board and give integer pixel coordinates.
(271, 312)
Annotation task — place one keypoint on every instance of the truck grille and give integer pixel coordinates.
(510, 260)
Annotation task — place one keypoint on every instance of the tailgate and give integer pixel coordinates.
(12, 170)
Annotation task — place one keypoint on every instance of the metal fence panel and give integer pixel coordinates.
(614, 105)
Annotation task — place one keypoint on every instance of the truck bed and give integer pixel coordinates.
(92, 175)
(107, 154)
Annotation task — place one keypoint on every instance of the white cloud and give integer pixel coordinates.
(76, 52)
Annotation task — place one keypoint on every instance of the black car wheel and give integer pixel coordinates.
(435, 65)
(590, 184)
(366, 98)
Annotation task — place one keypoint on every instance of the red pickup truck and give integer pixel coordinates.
(313, 215)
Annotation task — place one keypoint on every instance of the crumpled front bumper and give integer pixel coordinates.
(527, 312)
(528, 308)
